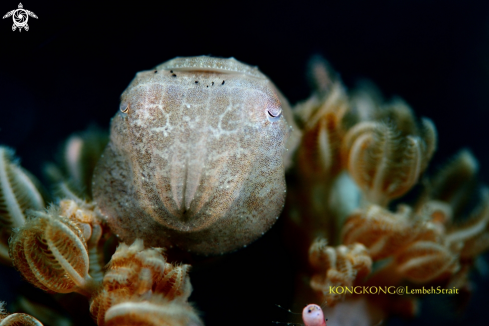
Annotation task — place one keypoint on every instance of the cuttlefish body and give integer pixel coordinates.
(196, 157)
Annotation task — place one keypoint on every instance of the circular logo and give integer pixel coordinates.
(20, 18)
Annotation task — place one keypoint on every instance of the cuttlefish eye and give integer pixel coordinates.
(273, 113)
(124, 107)
(202, 168)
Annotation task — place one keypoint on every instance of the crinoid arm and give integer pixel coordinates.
(20, 319)
(337, 266)
(384, 150)
(17, 319)
(141, 287)
(19, 192)
(51, 252)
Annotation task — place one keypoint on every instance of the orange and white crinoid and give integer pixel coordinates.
(196, 163)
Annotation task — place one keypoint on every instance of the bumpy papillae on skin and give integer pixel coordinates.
(337, 266)
(194, 158)
(141, 280)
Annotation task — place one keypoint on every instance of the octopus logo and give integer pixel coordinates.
(20, 17)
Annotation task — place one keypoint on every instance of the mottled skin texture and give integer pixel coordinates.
(195, 158)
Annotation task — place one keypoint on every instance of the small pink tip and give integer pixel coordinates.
(313, 315)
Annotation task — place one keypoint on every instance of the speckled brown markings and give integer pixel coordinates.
(197, 167)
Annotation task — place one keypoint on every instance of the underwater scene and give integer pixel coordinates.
(221, 163)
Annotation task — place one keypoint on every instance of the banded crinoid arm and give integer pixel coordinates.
(387, 159)
(381, 231)
(322, 118)
(416, 243)
(90, 221)
(337, 266)
(16, 319)
(474, 234)
(448, 192)
(316, 204)
(46, 314)
(427, 256)
(425, 261)
(51, 252)
(155, 311)
(469, 239)
(72, 174)
(139, 285)
(451, 190)
(19, 192)
(19, 319)
(461, 240)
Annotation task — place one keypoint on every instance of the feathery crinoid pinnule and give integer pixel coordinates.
(20, 191)
(17, 319)
(441, 249)
(383, 232)
(358, 144)
(51, 252)
(416, 244)
(311, 199)
(90, 221)
(431, 242)
(426, 230)
(445, 202)
(323, 121)
(140, 287)
(424, 244)
(386, 159)
(337, 267)
(155, 311)
(180, 173)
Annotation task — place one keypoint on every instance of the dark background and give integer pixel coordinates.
(72, 65)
